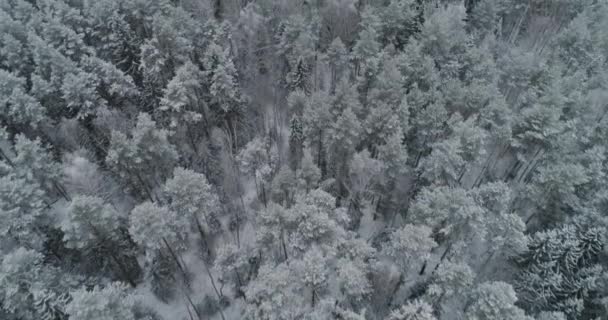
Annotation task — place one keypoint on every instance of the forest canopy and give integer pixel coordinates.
(303, 159)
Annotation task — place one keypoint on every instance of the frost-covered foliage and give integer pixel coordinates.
(110, 302)
(336, 159)
(413, 310)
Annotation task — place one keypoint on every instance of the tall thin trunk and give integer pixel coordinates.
(144, 186)
(61, 191)
(264, 196)
(201, 232)
(396, 289)
(177, 261)
(283, 244)
(443, 256)
(198, 314)
(517, 27)
(217, 292)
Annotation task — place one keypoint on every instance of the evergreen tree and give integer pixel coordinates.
(17, 104)
(190, 195)
(338, 58)
(492, 300)
(309, 173)
(559, 270)
(113, 301)
(415, 310)
(155, 228)
(142, 156)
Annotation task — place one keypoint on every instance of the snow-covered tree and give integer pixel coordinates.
(232, 263)
(343, 138)
(113, 301)
(313, 270)
(142, 156)
(317, 119)
(222, 78)
(338, 59)
(271, 295)
(190, 196)
(399, 22)
(272, 231)
(17, 104)
(353, 279)
(453, 212)
(89, 220)
(450, 280)
(34, 161)
(413, 310)
(314, 220)
(494, 300)
(309, 173)
(22, 209)
(19, 278)
(184, 105)
(256, 160)
(560, 269)
(410, 244)
(92, 225)
(284, 185)
(154, 228)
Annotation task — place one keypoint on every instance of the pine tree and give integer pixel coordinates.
(559, 269)
(314, 272)
(222, 78)
(399, 22)
(183, 102)
(190, 195)
(232, 263)
(449, 281)
(18, 278)
(257, 161)
(89, 220)
(142, 156)
(93, 226)
(17, 104)
(317, 119)
(352, 277)
(494, 300)
(271, 295)
(296, 141)
(314, 220)
(309, 173)
(113, 301)
(410, 245)
(23, 211)
(299, 78)
(338, 60)
(414, 310)
(284, 186)
(155, 228)
(343, 139)
(453, 212)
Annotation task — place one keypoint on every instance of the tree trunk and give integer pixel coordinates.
(176, 259)
(144, 186)
(217, 292)
(443, 256)
(283, 244)
(396, 289)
